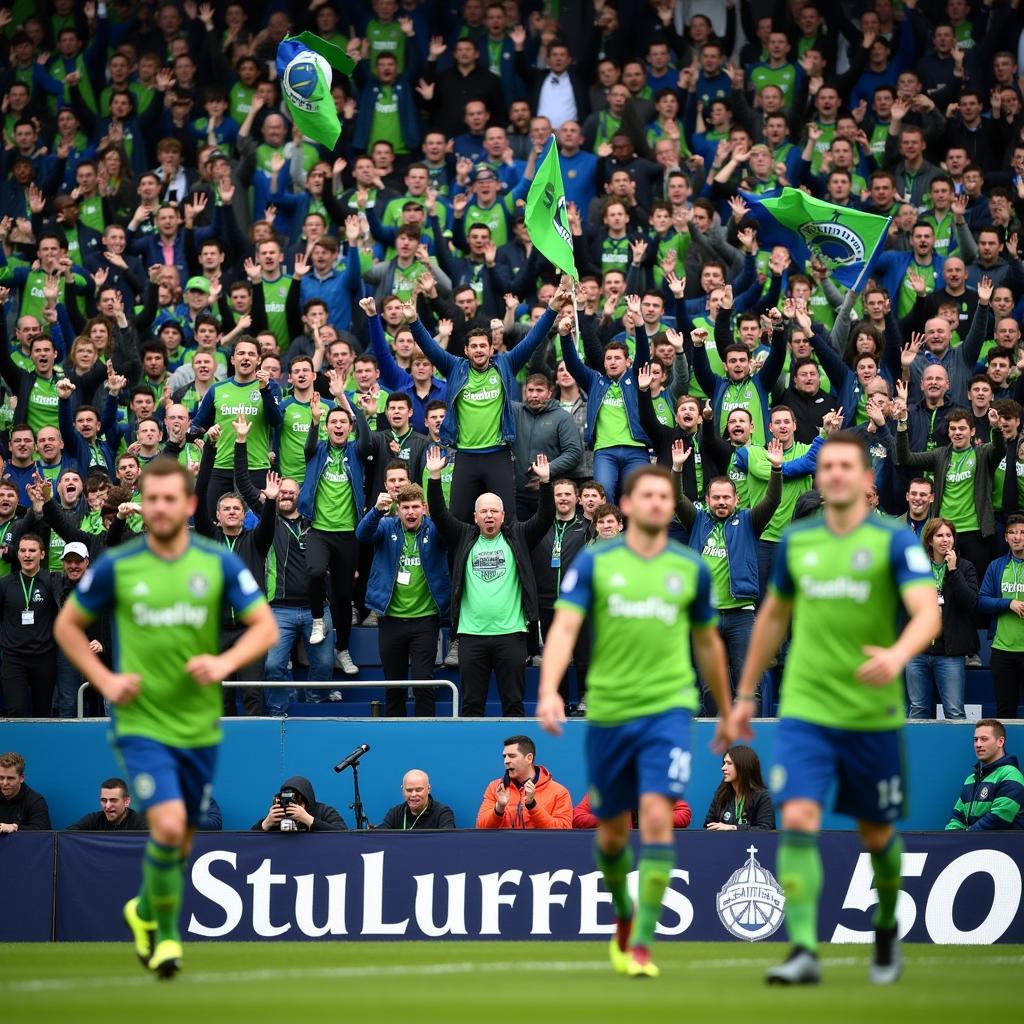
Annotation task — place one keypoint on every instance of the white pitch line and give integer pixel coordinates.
(406, 970)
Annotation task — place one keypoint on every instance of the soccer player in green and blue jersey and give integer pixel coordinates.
(843, 581)
(165, 593)
(647, 597)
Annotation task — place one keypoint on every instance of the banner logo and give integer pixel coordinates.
(751, 904)
(301, 77)
(834, 244)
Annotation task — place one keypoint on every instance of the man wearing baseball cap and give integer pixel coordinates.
(75, 560)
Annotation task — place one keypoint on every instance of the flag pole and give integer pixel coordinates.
(576, 315)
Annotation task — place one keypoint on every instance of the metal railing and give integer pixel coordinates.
(347, 684)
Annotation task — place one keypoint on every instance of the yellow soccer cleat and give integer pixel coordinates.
(619, 957)
(639, 964)
(166, 960)
(143, 932)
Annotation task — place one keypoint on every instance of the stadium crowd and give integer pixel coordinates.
(395, 414)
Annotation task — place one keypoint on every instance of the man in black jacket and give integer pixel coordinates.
(418, 809)
(22, 809)
(115, 813)
(494, 593)
(300, 809)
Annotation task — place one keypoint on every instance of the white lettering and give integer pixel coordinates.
(304, 892)
(862, 895)
(455, 918)
(1006, 881)
(840, 587)
(217, 892)
(544, 899)
(178, 614)
(262, 881)
(649, 608)
(492, 899)
(373, 899)
(481, 396)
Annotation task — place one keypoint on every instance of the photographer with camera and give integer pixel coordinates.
(296, 809)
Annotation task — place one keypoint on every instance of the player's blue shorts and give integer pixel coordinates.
(158, 773)
(644, 755)
(866, 767)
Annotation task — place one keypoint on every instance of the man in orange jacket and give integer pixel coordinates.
(526, 796)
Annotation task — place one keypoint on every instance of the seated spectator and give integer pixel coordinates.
(115, 813)
(295, 808)
(526, 796)
(583, 817)
(21, 807)
(418, 808)
(213, 819)
(992, 796)
(741, 802)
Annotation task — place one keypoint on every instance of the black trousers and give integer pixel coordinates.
(339, 553)
(406, 644)
(481, 473)
(505, 655)
(28, 683)
(252, 696)
(223, 480)
(1007, 680)
(580, 655)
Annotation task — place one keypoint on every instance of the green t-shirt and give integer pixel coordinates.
(641, 611)
(231, 399)
(999, 479)
(164, 613)
(615, 254)
(405, 280)
(846, 594)
(493, 217)
(385, 124)
(90, 212)
(663, 412)
(908, 296)
(240, 101)
(43, 404)
(711, 350)
(294, 429)
(1010, 626)
(386, 37)
(446, 477)
(783, 78)
(411, 597)
(275, 298)
(945, 231)
(612, 427)
(739, 479)
(958, 493)
(716, 555)
(821, 147)
(492, 599)
(6, 529)
(759, 471)
(743, 395)
(479, 405)
(334, 508)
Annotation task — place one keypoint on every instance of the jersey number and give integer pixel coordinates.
(890, 793)
(679, 765)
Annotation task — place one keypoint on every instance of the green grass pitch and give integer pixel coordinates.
(482, 982)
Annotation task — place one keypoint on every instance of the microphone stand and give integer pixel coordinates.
(362, 822)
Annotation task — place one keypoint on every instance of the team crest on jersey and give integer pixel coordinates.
(145, 785)
(861, 559)
(983, 795)
(751, 905)
(198, 585)
(254, 396)
(777, 778)
(493, 379)
(489, 565)
(673, 583)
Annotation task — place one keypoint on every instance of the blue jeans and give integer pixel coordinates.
(947, 674)
(613, 465)
(293, 623)
(69, 679)
(735, 626)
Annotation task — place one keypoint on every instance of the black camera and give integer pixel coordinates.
(286, 798)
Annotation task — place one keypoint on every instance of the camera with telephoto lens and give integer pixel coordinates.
(286, 798)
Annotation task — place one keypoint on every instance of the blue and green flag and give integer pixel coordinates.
(304, 68)
(846, 241)
(546, 216)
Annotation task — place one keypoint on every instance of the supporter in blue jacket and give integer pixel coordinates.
(409, 589)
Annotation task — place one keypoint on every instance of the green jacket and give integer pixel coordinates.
(992, 797)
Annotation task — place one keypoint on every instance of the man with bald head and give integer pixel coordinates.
(494, 592)
(954, 272)
(418, 809)
(959, 363)
(928, 408)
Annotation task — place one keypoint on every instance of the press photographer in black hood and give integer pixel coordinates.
(295, 808)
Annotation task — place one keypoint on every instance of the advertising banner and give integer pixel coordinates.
(958, 888)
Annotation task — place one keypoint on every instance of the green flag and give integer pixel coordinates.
(304, 68)
(546, 217)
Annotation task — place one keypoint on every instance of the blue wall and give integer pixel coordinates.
(67, 761)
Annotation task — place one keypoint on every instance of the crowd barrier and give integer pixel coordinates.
(67, 760)
(958, 888)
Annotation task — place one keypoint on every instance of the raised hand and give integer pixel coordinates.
(273, 486)
(368, 306)
(435, 462)
(643, 377)
(680, 454)
(633, 305)
(773, 449)
(985, 290)
(541, 468)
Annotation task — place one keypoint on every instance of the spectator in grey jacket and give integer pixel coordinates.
(542, 427)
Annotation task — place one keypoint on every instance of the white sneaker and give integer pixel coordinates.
(371, 620)
(343, 660)
(451, 659)
(318, 634)
(335, 697)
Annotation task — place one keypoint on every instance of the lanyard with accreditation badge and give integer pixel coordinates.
(28, 616)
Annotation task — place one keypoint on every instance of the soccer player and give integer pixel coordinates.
(842, 581)
(166, 593)
(646, 596)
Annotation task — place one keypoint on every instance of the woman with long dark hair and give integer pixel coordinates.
(742, 801)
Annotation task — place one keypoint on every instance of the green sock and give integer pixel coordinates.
(656, 863)
(616, 867)
(163, 877)
(799, 868)
(888, 867)
(144, 907)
